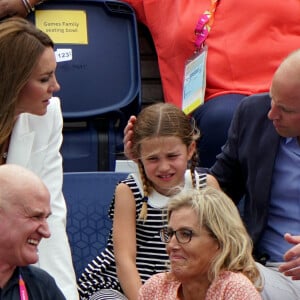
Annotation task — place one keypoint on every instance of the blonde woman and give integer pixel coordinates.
(209, 249)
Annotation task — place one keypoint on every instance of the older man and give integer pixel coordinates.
(24, 209)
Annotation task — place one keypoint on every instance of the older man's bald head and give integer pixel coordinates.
(16, 181)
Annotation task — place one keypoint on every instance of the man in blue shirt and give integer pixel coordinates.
(24, 208)
(260, 165)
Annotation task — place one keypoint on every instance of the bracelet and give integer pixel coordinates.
(28, 6)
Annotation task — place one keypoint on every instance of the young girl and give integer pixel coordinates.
(164, 143)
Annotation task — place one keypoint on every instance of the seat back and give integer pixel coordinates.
(96, 44)
(88, 196)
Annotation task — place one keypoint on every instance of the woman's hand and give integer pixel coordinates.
(128, 134)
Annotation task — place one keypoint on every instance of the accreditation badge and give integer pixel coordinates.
(194, 83)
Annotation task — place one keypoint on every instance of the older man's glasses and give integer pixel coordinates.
(183, 236)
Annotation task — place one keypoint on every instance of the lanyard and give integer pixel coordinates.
(204, 24)
(22, 288)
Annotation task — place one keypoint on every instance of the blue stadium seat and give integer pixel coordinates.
(100, 82)
(88, 196)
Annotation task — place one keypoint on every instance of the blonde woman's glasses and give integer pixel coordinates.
(183, 236)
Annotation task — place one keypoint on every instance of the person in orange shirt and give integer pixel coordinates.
(243, 54)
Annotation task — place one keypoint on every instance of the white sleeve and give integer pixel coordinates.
(54, 253)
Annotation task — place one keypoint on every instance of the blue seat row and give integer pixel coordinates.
(88, 196)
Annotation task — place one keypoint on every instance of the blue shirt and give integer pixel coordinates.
(284, 207)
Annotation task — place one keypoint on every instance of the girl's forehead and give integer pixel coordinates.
(165, 141)
(162, 145)
(162, 140)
